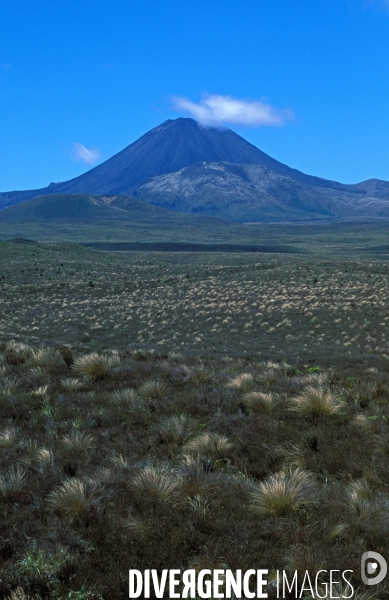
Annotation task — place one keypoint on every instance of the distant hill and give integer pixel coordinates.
(81, 207)
(87, 218)
(175, 166)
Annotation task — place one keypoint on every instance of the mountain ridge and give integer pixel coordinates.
(253, 193)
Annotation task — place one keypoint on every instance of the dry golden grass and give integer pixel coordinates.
(125, 396)
(198, 505)
(338, 531)
(363, 423)
(156, 486)
(94, 366)
(316, 402)
(175, 430)
(77, 441)
(241, 381)
(121, 462)
(382, 444)
(12, 482)
(48, 360)
(74, 497)
(71, 384)
(208, 444)
(293, 456)
(153, 389)
(136, 526)
(284, 493)
(8, 437)
(259, 402)
(358, 490)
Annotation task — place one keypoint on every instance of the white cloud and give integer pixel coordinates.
(214, 109)
(87, 155)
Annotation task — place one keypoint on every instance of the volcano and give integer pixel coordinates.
(160, 158)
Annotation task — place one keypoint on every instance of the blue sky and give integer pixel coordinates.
(307, 82)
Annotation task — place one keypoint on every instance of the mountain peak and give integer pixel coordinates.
(173, 145)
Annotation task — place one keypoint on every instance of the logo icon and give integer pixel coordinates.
(373, 564)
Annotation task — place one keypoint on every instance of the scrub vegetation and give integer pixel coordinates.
(173, 410)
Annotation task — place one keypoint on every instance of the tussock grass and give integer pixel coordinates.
(293, 456)
(74, 497)
(94, 366)
(77, 441)
(183, 471)
(153, 485)
(241, 381)
(153, 389)
(11, 483)
(208, 445)
(136, 526)
(316, 402)
(16, 353)
(8, 437)
(71, 384)
(363, 423)
(259, 402)
(198, 505)
(338, 531)
(175, 430)
(284, 493)
(125, 396)
(48, 360)
(359, 490)
(382, 444)
(121, 462)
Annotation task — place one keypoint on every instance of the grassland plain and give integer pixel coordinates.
(189, 410)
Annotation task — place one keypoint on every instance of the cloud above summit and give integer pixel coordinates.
(81, 153)
(215, 109)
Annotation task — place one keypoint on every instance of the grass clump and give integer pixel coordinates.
(77, 441)
(71, 384)
(258, 402)
(284, 493)
(152, 389)
(241, 381)
(208, 445)
(75, 497)
(12, 482)
(8, 437)
(316, 402)
(156, 486)
(48, 360)
(175, 430)
(125, 396)
(94, 366)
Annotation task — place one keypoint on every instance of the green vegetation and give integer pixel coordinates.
(207, 410)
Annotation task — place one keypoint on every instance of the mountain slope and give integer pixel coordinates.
(247, 193)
